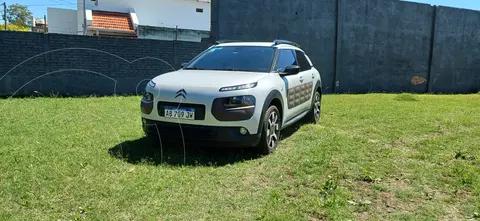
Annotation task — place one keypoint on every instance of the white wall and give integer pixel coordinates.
(62, 21)
(159, 13)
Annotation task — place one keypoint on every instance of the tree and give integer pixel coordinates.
(11, 27)
(19, 15)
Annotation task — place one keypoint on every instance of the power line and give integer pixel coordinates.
(46, 5)
(71, 3)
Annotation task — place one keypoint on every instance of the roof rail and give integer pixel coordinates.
(225, 41)
(278, 42)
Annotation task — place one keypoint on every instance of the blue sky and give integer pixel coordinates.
(470, 4)
(39, 7)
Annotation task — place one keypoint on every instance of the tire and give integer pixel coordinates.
(314, 114)
(272, 123)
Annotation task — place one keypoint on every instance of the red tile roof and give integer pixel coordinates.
(112, 20)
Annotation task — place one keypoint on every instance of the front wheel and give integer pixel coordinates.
(313, 115)
(270, 132)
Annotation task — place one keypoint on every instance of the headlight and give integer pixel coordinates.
(151, 84)
(238, 87)
(235, 108)
(239, 101)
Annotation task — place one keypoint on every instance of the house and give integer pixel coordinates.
(39, 25)
(151, 19)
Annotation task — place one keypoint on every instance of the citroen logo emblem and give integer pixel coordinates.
(182, 93)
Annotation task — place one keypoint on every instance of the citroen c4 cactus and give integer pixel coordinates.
(238, 94)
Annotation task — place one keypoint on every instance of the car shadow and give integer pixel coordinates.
(149, 151)
(291, 130)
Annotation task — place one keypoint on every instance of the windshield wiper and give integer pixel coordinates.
(220, 69)
(232, 69)
(194, 69)
(227, 69)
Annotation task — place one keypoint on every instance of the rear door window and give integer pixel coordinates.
(302, 60)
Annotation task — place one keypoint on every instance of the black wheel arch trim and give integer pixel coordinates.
(318, 85)
(274, 94)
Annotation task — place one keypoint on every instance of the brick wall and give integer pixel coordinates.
(83, 65)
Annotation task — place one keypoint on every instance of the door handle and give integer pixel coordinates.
(301, 79)
(313, 76)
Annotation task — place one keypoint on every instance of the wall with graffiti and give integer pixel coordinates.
(366, 46)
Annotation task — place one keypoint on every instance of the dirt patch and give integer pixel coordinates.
(432, 194)
(255, 178)
(383, 199)
(403, 142)
(316, 216)
(452, 213)
(293, 195)
(364, 216)
(369, 200)
(387, 201)
(462, 194)
(396, 182)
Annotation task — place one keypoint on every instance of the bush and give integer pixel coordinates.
(12, 27)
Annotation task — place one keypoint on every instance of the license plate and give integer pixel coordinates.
(182, 113)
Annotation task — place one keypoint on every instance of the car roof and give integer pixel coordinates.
(261, 44)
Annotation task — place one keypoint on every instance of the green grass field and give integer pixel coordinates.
(372, 157)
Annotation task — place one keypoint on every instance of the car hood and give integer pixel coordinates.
(207, 78)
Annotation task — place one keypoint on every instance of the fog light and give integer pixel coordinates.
(243, 131)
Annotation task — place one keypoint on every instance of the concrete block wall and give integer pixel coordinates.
(456, 51)
(382, 45)
(83, 65)
(366, 45)
(358, 46)
(312, 24)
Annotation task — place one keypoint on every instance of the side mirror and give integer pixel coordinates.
(184, 64)
(291, 70)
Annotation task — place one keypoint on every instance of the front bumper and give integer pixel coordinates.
(206, 102)
(200, 135)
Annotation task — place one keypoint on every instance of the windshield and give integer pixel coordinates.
(235, 58)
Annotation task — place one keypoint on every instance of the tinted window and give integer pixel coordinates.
(235, 58)
(285, 58)
(302, 60)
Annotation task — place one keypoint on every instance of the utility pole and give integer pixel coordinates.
(45, 23)
(84, 17)
(5, 14)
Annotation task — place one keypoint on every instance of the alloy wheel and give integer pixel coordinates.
(316, 107)
(273, 128)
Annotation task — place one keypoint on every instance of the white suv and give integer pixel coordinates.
(234, 94)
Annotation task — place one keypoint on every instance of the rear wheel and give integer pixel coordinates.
(270, 132)
(313, 115)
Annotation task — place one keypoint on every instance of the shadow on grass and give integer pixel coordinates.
(149, 151)
(289, 131)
